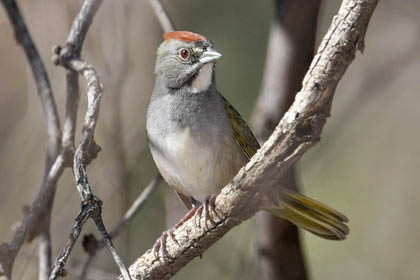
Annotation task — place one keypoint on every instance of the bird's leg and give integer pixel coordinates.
(212, 206)
(197, 215)
(180, 223)
(187, 216)
(207, 214)
(210, 210)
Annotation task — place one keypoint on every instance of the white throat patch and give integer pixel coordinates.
(203, 80)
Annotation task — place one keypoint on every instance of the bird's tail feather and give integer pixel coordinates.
(312, 215)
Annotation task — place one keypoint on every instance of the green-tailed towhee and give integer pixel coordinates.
(199, 141)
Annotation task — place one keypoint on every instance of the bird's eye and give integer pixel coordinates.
(185, 53)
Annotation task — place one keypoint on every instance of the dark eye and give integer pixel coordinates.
(185, 53)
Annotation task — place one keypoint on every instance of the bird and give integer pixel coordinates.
(199, 141)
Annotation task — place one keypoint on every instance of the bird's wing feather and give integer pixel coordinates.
(241, 131)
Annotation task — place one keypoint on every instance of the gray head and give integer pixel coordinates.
(185, 59)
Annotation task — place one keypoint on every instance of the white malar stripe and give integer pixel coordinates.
(203, 80)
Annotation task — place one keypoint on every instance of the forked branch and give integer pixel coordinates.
(87, 150)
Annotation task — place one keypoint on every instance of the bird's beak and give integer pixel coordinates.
(209, 55)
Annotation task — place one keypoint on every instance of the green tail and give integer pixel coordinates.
(312, 215)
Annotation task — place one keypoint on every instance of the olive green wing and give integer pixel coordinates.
(241, 131)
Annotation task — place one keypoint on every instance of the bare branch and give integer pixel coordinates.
(162, 16)
(41, 78)
(58, 269)
(80, 27)
(69, 57)
(85, 153)
(72, 103)
(92, 245)
(87, 149)
(298, 131)
(73, 48)
(135, 207)
(54, 135)
(30, 219)
(44, 253)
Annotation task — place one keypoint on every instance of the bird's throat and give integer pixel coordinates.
(204, 78)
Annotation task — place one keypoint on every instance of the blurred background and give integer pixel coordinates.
(365, 164)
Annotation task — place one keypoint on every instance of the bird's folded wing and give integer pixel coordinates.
(241, 131)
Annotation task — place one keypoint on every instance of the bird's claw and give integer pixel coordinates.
(159, 248)
(208, 209)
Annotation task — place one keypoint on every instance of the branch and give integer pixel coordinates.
(41, 78)
(85, 153)
(162, 16)
(44, 200)
(69, 57)
(92, 245)
(30, 219)
(73, 48)
(298, 131)
(135, 207)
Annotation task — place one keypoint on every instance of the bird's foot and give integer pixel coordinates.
(208, 209)
(159, 248)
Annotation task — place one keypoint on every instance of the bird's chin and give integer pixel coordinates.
(203, 79)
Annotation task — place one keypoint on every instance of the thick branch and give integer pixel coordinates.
(298, 131)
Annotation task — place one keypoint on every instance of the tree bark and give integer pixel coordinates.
(289, 54)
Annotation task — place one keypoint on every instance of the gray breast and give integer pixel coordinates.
(192, 142)
(169, 112)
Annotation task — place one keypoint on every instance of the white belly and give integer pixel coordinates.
(197, 166)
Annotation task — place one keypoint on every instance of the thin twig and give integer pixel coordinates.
(92, 245)
(87, 266)
(38, 205)
(297, 132)
(87, 150)
(44, 252)
(162, 16)
(41, 78)
(73, 47)
(54, 135)
(58, 269)
(116, 72)
(135, 207)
